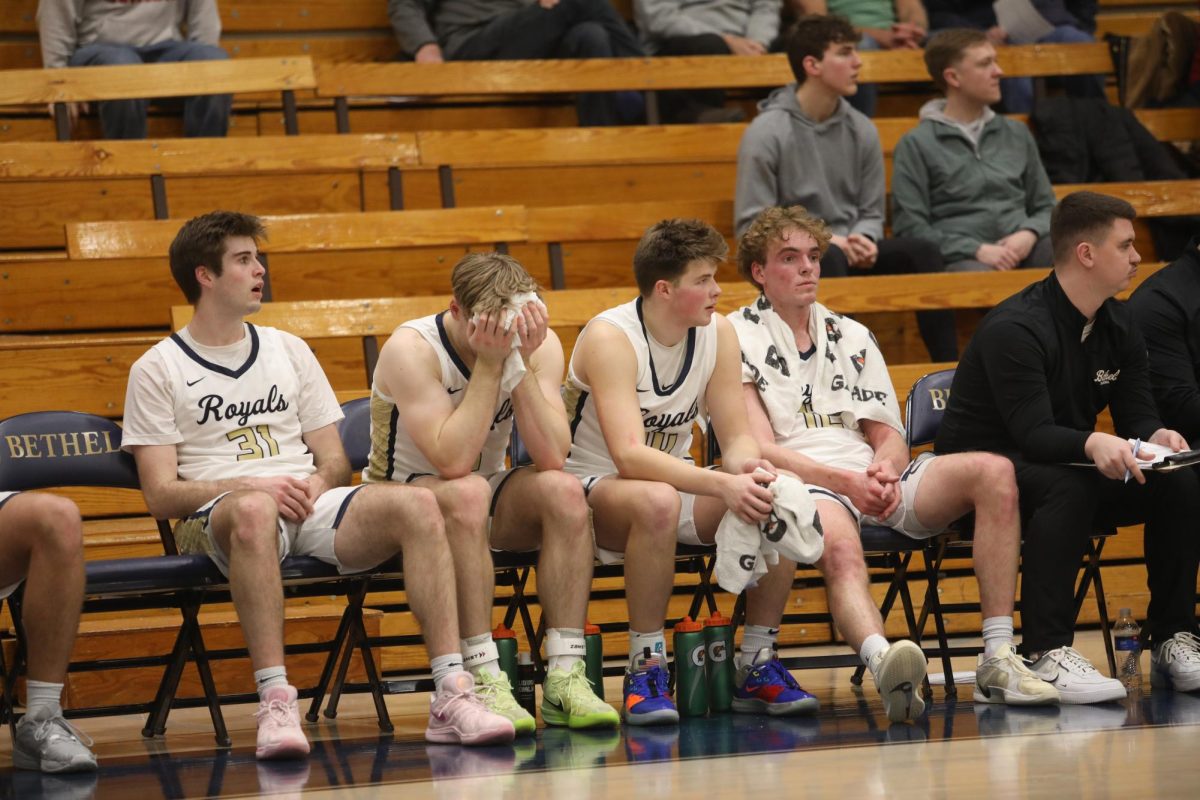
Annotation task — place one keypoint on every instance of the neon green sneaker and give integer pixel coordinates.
(568, 699)
(497, 695)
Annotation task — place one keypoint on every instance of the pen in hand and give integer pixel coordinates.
(1137, 445)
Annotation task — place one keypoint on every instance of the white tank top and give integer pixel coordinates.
(394, 455)
(670, 403)
(240, 421)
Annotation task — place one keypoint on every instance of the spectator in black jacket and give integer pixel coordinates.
(1167, 310)
(433, 31)
(1029, 386)
(1074, 22)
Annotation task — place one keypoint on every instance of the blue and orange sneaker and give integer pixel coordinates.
(766, 687)
(647, 697)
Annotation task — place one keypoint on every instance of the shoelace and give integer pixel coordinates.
(1020, 664)
(279, 712)
(59, 727)
(1184, 646)
(1073, 661)
(653, 678)
(774, 669)
(491, 688)
(577, 682)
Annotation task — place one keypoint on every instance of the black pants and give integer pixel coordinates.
(1062, 505)
(571, 29)
(905, 256)
(687, 105)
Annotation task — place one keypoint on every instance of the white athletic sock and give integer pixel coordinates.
(654, 641)
(480, 655)
(445, 666)
(755, 638)
(872, 650)
(564, 647)
(270, 678)
(39, 694)
(996, 631)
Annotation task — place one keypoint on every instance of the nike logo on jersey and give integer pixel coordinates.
(193, 383)
(453, 391)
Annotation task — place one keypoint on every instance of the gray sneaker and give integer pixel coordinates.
(48, 743)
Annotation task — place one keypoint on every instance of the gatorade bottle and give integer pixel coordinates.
(594, 657)
(526, 684)
(718, 665)
(506, 643)
(691, 690)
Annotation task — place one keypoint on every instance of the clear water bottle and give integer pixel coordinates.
(1129, 651)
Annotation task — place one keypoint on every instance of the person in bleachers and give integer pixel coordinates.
(432, 31)
(706, 28)
(445, 397)
(967, 178)
(41, 543)
(1041, 367)
(808, 147)
(1073, 21)
(234, 430)
(884, 25)
(822, 406)
(89, 33)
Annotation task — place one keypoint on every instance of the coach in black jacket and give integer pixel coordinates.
(1040, 368)
(1167, 310)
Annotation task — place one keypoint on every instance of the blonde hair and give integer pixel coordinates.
(483, 282)
(769, 227)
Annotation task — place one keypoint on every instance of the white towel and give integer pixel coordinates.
(744, 549)
(514, 365)
(852, 378)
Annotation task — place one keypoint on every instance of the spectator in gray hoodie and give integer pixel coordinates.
(706, 28)
(84, 33)
(433, 31)
(808, 147)
(967, 178)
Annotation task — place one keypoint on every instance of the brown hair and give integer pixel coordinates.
(669, 246)
(811, 36)
(201, 243)
(769, 227)
(1084, 216)
(946, 49)
(483, 282)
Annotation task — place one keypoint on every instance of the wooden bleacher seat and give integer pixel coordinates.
(86, 84)
(340, 81)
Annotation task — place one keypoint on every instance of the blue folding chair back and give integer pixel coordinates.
(926, 405)
(355, 431)
(44, 449)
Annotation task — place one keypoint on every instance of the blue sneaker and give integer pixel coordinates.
(647, 698)
(766, 687)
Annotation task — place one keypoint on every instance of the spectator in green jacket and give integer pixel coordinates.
(967, 178)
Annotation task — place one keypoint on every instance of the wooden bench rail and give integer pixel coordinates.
(180, 79)
(315, 232)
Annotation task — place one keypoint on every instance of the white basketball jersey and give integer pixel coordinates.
(670, 403)
(394, 455)
(238, 421)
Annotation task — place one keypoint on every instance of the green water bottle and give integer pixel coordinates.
(718, 665)
(594, 658)
(506, 644)
(691, 689)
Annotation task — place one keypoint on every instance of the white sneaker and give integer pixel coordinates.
(1175, 663)
(1076, 680)
(1006, 678)
(900, 677)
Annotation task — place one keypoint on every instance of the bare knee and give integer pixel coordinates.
(407, 511)
(564, 501)
(843, 556)
(656, 507)
(995, 479)
(253, 521)
(465, 503)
